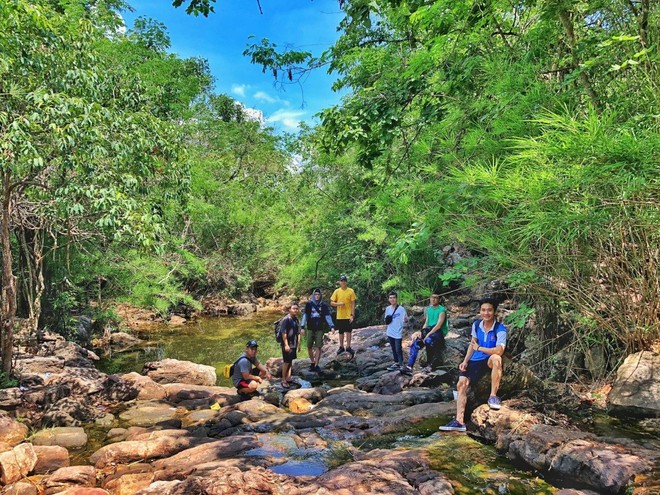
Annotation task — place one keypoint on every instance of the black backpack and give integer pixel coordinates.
(278, 330)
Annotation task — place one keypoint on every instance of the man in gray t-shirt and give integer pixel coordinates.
(244, 381)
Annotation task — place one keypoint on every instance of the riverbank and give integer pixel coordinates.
(177, 433)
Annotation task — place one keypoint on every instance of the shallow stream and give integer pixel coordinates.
(471, 466)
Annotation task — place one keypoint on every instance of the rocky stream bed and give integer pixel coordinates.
(71, 429)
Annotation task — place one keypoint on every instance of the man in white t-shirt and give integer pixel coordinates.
(395, 317)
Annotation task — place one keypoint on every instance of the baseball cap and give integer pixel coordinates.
(252, 343)
(342, 278)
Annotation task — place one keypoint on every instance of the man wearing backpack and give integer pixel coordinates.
(289, 330)
(315, 317)
(483, 355)
(245, 382)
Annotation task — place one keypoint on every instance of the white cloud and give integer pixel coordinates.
(254, 114)
(239, 89)
(263, 96)
(288, 118)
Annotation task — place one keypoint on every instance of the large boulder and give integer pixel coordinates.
(12, 432)
(149, 445)
(71, 477)
(636, 390)
(70, 437)
(17, 463)
(50, 458)
(242, 309)
(602, 464)
(175, 371)
(147, 388)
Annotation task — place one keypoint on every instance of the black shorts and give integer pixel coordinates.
(476, 370)
(288, 357)
(344, 326)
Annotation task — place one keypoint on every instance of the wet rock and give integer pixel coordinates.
(106, 421)
(67, 436)
(70, 477)
(202, 458)
(127, 480)
(313, 395)
(578, 456)
(384, 472)
(636, 390)
(12, 432)
(17, 463)
(146, 387)
(50, 458)
(176, 321)
(84, 328)
(84, 491)
(498, 426)
(179, 392)
(300, 405)
(20, 488)
(391, 383)
(231, 480)
(356, 401)
(151, 445)
(242, 309)
(150, 413)
(123, 340)
(10, 398)
(117, 434)
(175, 371)
(198, 417)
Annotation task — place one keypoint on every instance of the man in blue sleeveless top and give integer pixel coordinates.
(483, 355)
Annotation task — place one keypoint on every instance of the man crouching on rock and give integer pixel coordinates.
(246, 383)
(484, 354)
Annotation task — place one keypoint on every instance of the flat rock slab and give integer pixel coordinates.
(142, 447)
(149, 414)
(176, 371)
(69, 437)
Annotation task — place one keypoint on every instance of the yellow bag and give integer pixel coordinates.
(227, 371)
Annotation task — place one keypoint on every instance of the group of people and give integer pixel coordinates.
(484, 353)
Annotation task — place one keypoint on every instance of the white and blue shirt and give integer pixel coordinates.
(488, 339)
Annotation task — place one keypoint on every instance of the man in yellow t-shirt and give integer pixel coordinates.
(343, 299)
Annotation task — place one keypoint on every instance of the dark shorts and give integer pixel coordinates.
(476, 370)
(288, 357)
(344, 326)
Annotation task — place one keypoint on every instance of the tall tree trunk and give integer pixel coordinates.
(32, 243)
(567, 22)
(8, 279)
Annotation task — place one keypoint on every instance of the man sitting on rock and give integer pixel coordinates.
(432, 335)
(484, 354)
(245, 381)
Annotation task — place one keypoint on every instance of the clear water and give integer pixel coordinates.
(211, 341)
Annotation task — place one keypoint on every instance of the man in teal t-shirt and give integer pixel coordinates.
(432, 336)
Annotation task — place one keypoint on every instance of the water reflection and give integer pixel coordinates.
(211, 341)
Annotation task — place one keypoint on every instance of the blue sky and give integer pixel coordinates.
(222, 37)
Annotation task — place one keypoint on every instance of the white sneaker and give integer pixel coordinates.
(393, 367)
